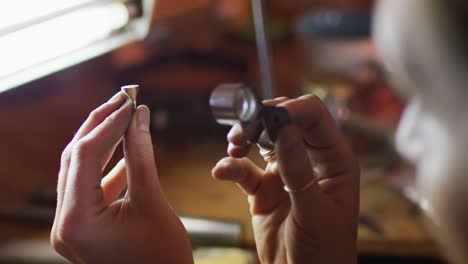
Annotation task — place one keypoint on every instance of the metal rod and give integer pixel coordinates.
(263, 47)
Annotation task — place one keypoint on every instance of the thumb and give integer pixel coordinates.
(142, 177)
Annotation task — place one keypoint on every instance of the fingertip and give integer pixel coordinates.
(236, 136)
(143, 118)
(221, 168)
(311, 97)
(143, 107)
(238, 151)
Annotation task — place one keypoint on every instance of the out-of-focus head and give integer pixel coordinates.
(424, 46)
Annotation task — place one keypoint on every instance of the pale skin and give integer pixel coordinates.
(317, 224)
(312, 223)
(93, 225)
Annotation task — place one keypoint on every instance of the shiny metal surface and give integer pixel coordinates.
(132, 92)
(233, 103)
(268, 153)
(263, 47)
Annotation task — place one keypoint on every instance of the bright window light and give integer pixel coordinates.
(47, 40)
(16, 13)
(41, 37)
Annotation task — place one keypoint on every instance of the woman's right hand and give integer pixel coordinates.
(317, 221)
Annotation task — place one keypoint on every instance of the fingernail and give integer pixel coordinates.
(143, 118)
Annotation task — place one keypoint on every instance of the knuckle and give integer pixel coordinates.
(96, 114)
(58, 244)
(65, 158)
(69, 231)
(309, 97)
(306, 111)
(83, 148)
(67, 236)
(111, 118)
(117, 118)
(313, 100)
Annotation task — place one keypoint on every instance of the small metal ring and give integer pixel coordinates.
(131, 91)
(298, 190)
(267, 154)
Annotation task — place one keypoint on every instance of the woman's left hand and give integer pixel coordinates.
(92, 225)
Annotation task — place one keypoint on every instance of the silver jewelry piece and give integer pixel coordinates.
(301, 189)
(268, 154)
(132, 92)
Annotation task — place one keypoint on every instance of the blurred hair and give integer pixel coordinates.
(447, 21)
(455, 13)
(452, 33)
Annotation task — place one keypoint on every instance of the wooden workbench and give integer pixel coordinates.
(188, 185)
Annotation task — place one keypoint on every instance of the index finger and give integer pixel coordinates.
(312, 117)
(95, 118)
(327, 150)
(238, 146)
(85, 174)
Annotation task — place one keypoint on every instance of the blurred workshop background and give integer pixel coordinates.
(320, 47)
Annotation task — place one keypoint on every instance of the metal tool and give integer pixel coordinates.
(237, 103)
(263, 48)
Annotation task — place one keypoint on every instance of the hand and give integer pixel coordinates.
(318, 223)
(92, 225)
